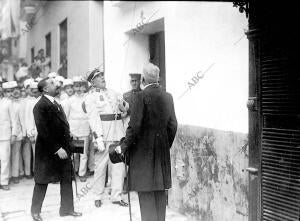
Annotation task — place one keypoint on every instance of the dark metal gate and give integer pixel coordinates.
(280, 111)
(274, 111)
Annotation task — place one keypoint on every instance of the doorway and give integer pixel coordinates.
(157, 54)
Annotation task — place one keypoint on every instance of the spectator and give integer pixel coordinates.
(22, 73)
(7, 70)
(34, 70)
(63, 70)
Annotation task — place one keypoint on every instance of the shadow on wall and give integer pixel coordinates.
(210, 182)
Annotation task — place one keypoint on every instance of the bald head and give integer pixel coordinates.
(150, 73)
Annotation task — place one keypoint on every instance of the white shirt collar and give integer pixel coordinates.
(50, 98)
(149, 85)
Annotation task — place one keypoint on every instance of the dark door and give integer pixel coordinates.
(274, 132)
(157, 54)
(280, 108)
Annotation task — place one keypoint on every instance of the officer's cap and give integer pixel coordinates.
(135, 75)
(68, 82)
(27, 82)
(52, 75)
(94, 73)
(60, 78)
(9, 85)
(33, 85)
(38, 79)
(77, 79)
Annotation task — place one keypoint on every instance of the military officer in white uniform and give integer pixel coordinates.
(105, 109)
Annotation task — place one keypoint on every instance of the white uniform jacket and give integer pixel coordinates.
(104, 102)
(78, 120)
(7, 120)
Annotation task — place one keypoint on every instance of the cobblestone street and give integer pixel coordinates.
(15, 205)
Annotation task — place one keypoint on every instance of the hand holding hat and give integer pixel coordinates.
(100, 144)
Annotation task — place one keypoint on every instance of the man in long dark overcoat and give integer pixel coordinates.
(53, 151)
(148, 140)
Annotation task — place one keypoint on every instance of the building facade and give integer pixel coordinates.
(202, 52)
(71, 30)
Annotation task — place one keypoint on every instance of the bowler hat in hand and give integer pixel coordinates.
(117, 157)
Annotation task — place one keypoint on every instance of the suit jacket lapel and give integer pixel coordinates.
(59, 114)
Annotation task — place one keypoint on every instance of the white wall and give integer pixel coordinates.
(84, 34)
(95, 34)
(197, 35)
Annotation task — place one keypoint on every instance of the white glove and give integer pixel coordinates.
(100, 144)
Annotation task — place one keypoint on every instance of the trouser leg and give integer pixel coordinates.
(84, 157)
(66, 191)
(109, 173)
(153, 205)
(33, 151)
(91, 156)
(161, 203)
(38, 197)
(76, 162)
(117, 181)
(21, 162)
(101, 161)
(4, 161)
(26, 153)
(15, 159)
(147, 206)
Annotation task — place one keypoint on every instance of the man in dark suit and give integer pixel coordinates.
(53, 151)
(148, 140)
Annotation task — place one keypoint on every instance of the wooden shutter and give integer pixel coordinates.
(280, 162)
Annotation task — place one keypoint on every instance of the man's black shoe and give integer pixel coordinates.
(98, 203)
(28, 177)
(21, 176)
(75, 214)
(36, 217)
(15, 180)
(82, 178)
(120, 203)
(89, 173)
(5, 187)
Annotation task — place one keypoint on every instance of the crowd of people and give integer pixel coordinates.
(19, 133)
(18, 130)
(39, 115)
(40, 67)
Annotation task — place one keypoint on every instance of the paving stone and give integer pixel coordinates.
(15, 205)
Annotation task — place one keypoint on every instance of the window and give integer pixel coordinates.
(63, 40)
(48, 45)
(32, 54)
